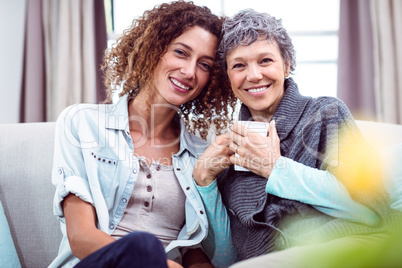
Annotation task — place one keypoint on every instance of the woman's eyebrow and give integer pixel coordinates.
(190, 48)
(260, 55)
(236, 59)
(184, 45)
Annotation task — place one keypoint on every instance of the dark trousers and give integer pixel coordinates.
(135, 250)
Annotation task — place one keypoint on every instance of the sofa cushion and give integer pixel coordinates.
(392, 159)
(8, 254)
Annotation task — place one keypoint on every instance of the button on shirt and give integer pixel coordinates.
(94, 159)
(156, 204)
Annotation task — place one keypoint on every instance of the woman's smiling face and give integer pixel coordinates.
(257, 73)
(185, 69)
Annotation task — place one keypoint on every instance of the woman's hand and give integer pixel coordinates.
(255, 152)
(213, 161)
(196, 258)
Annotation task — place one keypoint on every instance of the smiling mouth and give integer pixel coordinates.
(180, 85)
(257, 89)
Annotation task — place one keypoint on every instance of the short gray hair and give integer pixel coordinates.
(246, 27)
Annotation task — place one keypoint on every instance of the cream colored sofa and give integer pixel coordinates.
(26, 191)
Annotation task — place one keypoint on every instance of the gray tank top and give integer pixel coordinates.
(157, 204)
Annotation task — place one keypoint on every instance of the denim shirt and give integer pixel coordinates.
(94, 159)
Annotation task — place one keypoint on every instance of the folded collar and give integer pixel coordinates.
(117, 118)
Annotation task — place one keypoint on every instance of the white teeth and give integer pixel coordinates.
(177, 83)
(255, 90)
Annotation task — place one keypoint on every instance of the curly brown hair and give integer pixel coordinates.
(130, 63)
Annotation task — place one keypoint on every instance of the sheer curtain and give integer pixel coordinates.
(387, 33)
(370, 59)
(51, 57)
(72, 45)
(355, 60)
(32, 107)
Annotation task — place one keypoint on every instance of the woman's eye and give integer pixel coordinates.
(237, 65)
(206, 66)
(266, 60)
(179, 52)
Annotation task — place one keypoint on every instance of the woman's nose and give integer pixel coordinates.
(189, 69)
(253, 73)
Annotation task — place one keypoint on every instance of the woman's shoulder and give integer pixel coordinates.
(329, 106)
(326, 100)
(194, 142)
(84, 115)
(85, 110)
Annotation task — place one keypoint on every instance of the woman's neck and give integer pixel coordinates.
(153, 130)
(261, 116)
(154, 118)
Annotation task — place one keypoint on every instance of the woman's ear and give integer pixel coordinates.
(287, 69)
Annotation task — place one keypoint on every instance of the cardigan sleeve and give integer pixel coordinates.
(355, 164)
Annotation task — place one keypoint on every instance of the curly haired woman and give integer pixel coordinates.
(123, 171)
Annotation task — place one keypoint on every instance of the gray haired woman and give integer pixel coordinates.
(298, 187)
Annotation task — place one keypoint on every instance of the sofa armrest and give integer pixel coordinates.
(26, 191)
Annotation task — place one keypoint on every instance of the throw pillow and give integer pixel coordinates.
(8, 254)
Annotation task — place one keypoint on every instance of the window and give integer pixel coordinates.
(312, 24)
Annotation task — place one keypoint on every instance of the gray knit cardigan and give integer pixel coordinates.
(307, 128)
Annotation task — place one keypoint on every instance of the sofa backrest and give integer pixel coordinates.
(380, 135)
(26, 191)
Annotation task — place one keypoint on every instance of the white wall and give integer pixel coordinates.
(12, 30)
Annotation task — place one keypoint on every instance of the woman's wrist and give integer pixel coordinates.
(200, 174)
(202, 178)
